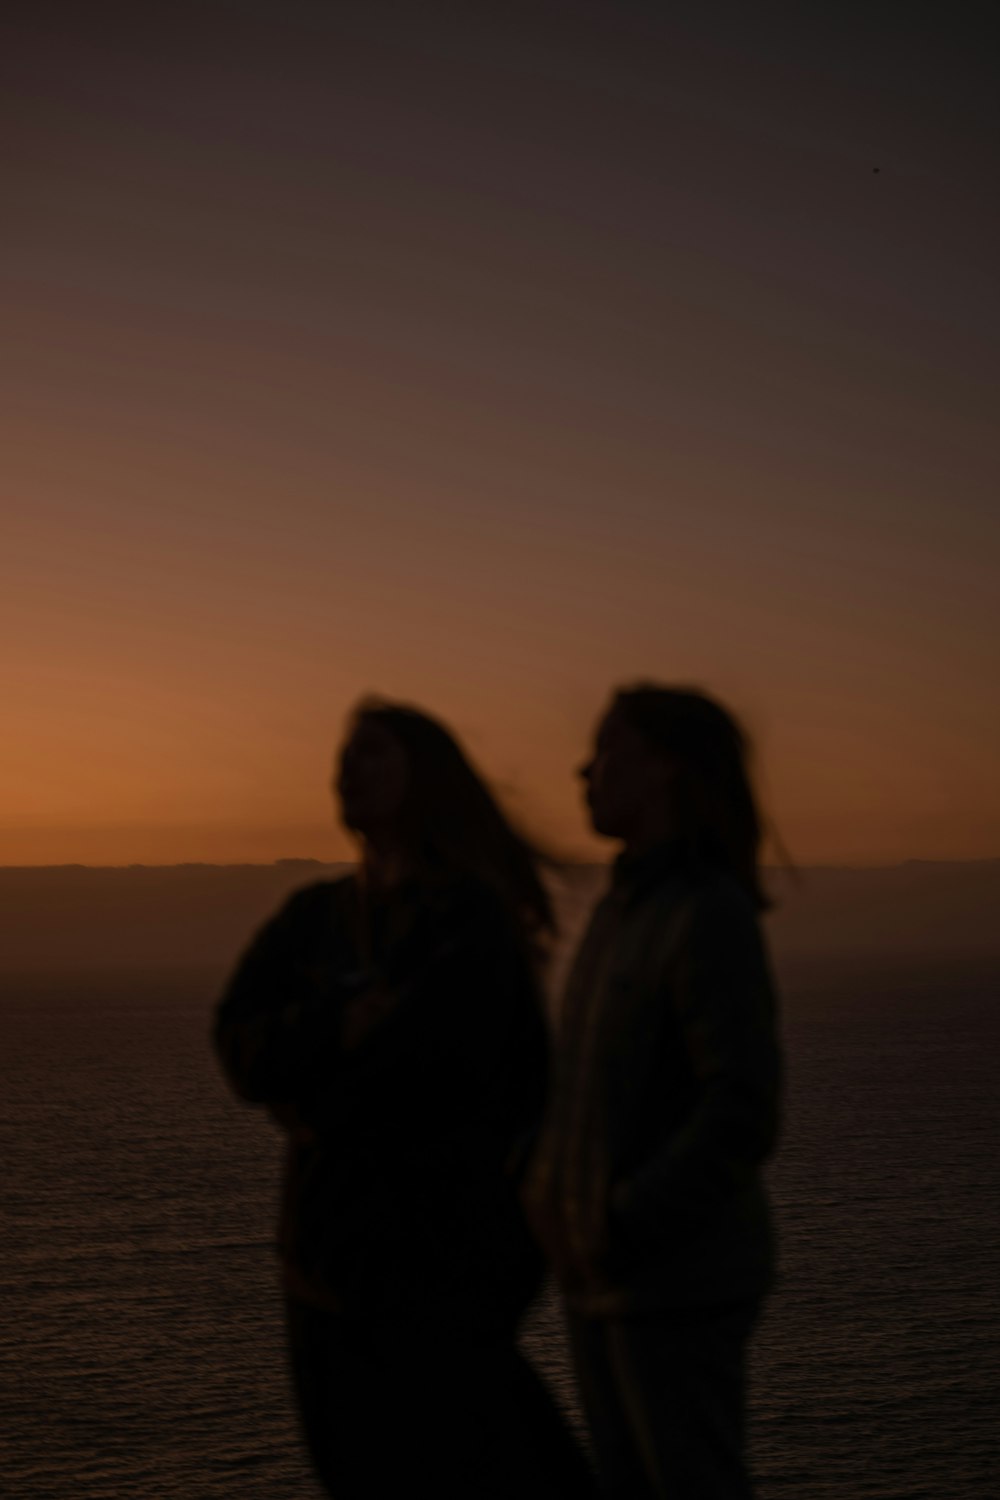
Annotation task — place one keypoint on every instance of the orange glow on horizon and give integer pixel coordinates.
(488, 387)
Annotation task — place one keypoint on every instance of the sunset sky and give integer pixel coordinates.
(488, 356)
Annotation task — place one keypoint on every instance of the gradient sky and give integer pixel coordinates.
(487, 356)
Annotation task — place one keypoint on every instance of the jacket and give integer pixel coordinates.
(403, 1049)
(646, 1184)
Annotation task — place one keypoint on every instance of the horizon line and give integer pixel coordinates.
(329, 864)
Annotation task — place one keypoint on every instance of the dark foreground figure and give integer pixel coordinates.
(645, 1187)
(391, 1023)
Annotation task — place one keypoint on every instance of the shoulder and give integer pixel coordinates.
(459, 892)
(722, 934)
(311, 902)
(473, 912)
(713, 908)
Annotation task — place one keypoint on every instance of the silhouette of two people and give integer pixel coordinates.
(391, 1021)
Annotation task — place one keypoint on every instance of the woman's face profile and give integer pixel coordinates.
(626, 780)
(372, 778)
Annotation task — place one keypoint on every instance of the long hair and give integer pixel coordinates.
(452, 822)
(719, 819)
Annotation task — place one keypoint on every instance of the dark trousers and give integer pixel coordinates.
(390, 1411)
(664, 1395)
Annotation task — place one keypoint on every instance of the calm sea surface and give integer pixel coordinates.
(140, 1342)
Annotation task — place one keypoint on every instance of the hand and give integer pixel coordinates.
(362, 1012)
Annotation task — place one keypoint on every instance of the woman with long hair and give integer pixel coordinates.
(645, 1187)
(391, 1022)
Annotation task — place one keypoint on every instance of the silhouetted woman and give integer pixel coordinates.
(391, 1022)
(646, 1186)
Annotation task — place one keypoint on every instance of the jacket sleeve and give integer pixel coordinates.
(275, 1033)
(723, 999)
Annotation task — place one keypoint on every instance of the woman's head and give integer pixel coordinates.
(403, 779)
(373, 778)
(671, 762)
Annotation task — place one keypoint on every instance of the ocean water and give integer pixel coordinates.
(140, 1338)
